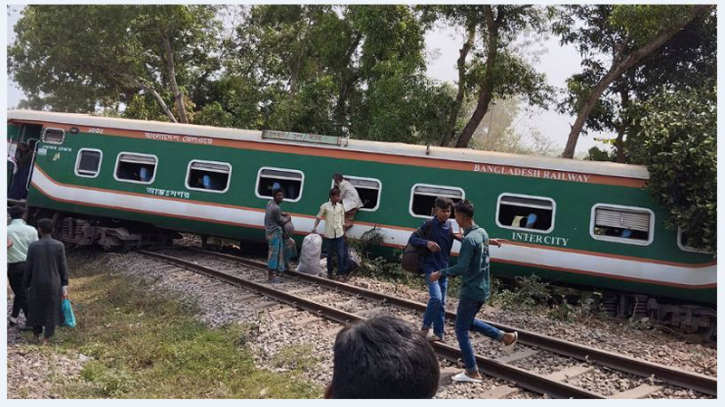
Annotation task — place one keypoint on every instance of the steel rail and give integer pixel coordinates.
(525, 379)
(690, 380)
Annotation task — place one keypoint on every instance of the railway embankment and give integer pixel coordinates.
(149, 330)
(137, 339)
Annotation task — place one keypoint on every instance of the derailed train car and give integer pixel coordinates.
(127, 183)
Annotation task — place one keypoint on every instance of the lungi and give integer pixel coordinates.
(281, 250)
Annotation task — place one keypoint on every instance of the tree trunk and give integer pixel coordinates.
(160, 101)
(295, 74)
(347, 79)
(619, 66)
(463, 53)
(178, 95)
(624, 94)
(484, 98)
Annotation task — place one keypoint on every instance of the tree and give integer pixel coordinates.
(628, 34)
(677, 140)
(499, 74)
(75, 58)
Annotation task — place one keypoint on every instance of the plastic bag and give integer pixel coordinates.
(353, 258)
(68, 318)
(310, 256)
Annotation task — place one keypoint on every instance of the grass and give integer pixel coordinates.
(147, 345)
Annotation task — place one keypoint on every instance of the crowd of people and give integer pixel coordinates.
(399, 363)
(383, 357)
(37, 273)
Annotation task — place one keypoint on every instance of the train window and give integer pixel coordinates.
(369, 190)
(208, 176)
(290, 181)
(136, 168)
(531, 213)
(88, 163)
(622, 224)
(682, 238)
(423, 196)
(53, 136)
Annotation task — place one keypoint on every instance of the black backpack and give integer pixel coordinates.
(413, 256)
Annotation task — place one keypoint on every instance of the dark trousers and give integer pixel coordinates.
(49, 331)
(16, 271)
(337, 247)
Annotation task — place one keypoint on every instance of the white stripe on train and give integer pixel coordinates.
(605, 267)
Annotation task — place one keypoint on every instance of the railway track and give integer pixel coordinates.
(553, 384)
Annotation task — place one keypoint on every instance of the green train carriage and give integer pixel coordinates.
(125, 182)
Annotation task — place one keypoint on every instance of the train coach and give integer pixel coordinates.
(128, 183)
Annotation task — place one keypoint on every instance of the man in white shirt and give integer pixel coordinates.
(351, 201)
(20, 236)
(333, 214)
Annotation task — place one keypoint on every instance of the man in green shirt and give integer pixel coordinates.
(473, 267)
(20, 236)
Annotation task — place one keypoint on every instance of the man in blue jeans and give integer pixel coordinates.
(437, 236)
(473, 266)
(333, 213)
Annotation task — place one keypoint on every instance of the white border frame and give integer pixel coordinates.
(259, 175)
(412, 191)
(188, 172)
(78, 161)
(380, 190)
(543, 198)
(689, 249)
(624, 240)
(45, 131)
(118, 158)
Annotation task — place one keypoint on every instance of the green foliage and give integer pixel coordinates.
(80, 57)
(644, 22)
(526, 292)
(677, 141)
(595, 154)
(602, 31)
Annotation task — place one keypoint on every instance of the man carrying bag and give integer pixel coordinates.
(435, 238)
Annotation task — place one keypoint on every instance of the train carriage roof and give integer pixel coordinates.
(388, 148)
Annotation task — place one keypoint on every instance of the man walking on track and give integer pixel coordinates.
(333, 215)
(281, 247)
(473, 266)
(46, 281)
(20, 236)
(350, 199)
(437, 236)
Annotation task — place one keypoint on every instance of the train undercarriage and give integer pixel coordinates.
(692, 320)
(75, 230)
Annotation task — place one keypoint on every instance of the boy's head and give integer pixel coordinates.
(334, 195)
(16, 212)
(464, 212)
(45, 227)
(278, 195)
(383, 358)
(443, 208)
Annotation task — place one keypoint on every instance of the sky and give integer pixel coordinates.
(442, 44)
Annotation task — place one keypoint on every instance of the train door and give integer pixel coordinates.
(21, 159)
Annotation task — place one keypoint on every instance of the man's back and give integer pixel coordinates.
(46, 263)
(22, 236)
(349, 195)
(476, 276)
